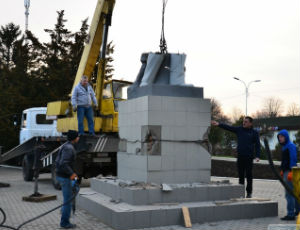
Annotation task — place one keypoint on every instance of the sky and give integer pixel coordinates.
(247, 39)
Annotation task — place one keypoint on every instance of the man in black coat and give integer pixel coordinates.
(248, 142)
(65, 174)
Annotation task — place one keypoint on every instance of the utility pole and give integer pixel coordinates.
(247, 90)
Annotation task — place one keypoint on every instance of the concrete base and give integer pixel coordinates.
(142, 210)
(126, 216)
(148, 194)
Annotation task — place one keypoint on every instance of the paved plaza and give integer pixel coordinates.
(19, 211)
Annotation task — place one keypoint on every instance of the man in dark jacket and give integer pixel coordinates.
(288, 161)
(65, 174)
(248, 141)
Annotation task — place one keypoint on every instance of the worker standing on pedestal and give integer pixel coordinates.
(82, 97)
(248, 141)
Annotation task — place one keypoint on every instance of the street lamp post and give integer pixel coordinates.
(247, 90)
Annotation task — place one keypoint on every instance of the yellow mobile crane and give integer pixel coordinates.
(108, 93)
(95, 154)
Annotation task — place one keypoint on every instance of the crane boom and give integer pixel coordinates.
(106, 119)
(95, 38)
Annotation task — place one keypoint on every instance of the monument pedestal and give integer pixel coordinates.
(161, 140)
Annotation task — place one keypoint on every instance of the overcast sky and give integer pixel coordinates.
(248, 39)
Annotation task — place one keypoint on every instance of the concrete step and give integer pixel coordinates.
(126, 216)
(144, 194)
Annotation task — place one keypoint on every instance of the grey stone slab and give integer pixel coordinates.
(174, 216)
(184, 195)
(140, 197)
(204, 214)
(193, 214)
(154, 196)
(227, 212)
(233, 191)
(155, 103)
(122, 220)
(127, 196)
(141, 219)
(169, 197)
(155, 177)
(155, 163)
(158, 218)
(214, 193)
(199, 194)
(168, 162)
(100, 211)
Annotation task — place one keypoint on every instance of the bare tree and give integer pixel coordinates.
(216, 111)
(216, 134)
(273, 107)
(260, 114)
(293, 110)
(236, 114)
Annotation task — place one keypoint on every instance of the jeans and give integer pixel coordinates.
(292, 204)
(88, 113)
(66, 188)
(245, 164)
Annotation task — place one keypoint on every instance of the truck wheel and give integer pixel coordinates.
(55, 183)
(27, 168)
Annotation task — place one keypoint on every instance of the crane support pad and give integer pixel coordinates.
(40, 198)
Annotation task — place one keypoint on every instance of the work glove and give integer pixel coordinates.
(290, 176)
(281, 173)
(73, 176)
(95, 107)
(74, 108)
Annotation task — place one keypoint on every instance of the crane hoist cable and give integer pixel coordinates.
(163, 43)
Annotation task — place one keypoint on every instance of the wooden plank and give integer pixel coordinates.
(186, 216)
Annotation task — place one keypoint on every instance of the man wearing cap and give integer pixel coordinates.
(82, 97)
(65, 174)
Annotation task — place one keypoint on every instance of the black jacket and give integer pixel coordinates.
(65, 160)
(248, 140)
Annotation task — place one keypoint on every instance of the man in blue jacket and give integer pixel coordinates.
(248, 141)
(82, 97)
(288, 161)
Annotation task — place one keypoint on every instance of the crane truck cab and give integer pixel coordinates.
(34, 123)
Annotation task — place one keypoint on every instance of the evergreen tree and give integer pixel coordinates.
(33, 73)
(57, 60)
(109, 69)
(77, 47)
(8, 36)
